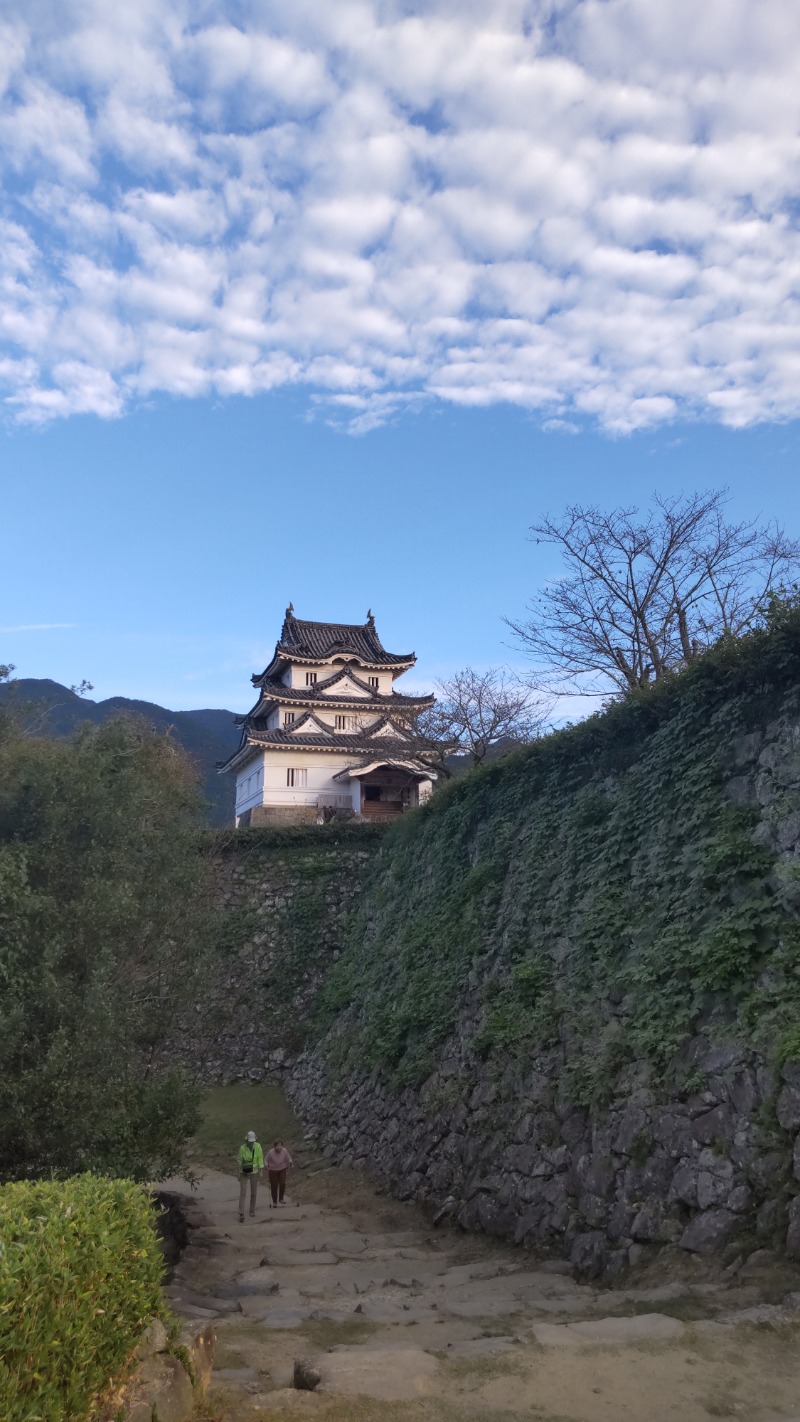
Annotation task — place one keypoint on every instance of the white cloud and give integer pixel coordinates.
(38, 627)
(584, 207)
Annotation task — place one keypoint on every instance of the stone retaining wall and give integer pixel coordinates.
(286, 901)
(511, 1158)
(501, 1149)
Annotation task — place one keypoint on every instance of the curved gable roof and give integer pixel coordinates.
(301, 640)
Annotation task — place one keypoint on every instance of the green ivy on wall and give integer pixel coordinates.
(599, 888)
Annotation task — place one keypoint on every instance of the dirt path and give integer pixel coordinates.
(408, 1325)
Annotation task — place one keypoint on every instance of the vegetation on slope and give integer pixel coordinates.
(600, 888)
(207, 736)
(106, 916)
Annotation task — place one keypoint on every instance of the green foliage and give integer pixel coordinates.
(80, 1275)
(599, 889)
(105, 919)
(278, 836)
(291, 895)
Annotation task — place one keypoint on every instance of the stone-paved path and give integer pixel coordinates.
(404, 1323)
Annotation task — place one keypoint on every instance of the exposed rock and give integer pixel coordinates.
(708, 1231)
(306, 1376)
(793, 1231)
(200, 1346)
(713, 1125)
(390, 1375)
(714, 1179)
(162, 1388)
(154, 1339)
(588, 1254)
(787, 1108)
(740, 1200)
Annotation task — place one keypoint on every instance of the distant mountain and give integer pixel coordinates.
(207, 735)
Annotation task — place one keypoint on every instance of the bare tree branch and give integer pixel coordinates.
(476, 713)
(646, 594)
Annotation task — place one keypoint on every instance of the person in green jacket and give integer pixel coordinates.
(251, 1163)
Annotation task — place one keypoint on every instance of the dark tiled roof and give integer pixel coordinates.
(275, 690)
(363, 742)
(316, 641)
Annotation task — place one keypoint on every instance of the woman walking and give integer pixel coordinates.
(278, 1162)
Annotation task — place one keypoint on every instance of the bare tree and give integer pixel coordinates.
(475, 713)
(644, 595)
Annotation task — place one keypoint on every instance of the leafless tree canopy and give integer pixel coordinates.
(646, 594)
(476, 711)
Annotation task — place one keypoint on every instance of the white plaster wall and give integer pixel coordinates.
(320, 767)
(250, 784)
(361, 719)
(347, 687)
(296, 675)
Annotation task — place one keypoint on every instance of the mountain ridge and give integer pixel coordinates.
(207, 734)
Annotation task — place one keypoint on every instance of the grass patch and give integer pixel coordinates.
(325, 1333)
(228, 1356)
(687, 1308)
(721, 1403)
(228, 1112)
(484, 1367)
(370, 1409)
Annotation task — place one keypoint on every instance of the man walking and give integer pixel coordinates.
(251, 1163)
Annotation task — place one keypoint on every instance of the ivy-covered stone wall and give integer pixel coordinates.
(569, 1009)
(286, 892)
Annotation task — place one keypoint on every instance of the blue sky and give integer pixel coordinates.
(330, 301)
(172, 539)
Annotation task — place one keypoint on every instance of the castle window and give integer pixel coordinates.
(345, 723)
(297, 779)
(288, 717)
(374, 682)
(311, 678)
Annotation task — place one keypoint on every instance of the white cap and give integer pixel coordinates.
(251, 1135)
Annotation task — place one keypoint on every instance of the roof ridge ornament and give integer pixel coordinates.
(290, 610)
(370, 619)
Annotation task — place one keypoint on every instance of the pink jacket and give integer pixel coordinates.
(278, 1159)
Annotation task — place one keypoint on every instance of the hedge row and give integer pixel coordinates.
(80, 1274)
(290, 836)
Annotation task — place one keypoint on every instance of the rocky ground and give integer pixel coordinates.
(403, 1322)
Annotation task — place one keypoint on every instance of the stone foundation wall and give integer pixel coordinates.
(286, 896)
(496, 1143)
(510, 1157)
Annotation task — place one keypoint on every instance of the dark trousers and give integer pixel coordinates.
(277, 1184)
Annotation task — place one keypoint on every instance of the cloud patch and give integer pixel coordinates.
(585, 209)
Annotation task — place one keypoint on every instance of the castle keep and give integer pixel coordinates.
(329, 734)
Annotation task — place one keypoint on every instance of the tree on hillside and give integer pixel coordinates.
(476, 713)
(646, 594)
(105, 918)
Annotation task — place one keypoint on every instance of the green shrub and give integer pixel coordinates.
(80, 1273)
